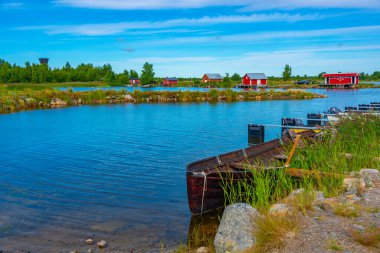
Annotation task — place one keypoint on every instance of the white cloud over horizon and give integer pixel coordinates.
(103, 29)
(247, 5)
(261, 36)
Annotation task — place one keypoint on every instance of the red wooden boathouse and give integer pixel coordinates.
(170, 81)
(254, 79)
(211, 78)
(134, 81)
(339, 80)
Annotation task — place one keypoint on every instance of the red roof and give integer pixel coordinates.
(341, 74)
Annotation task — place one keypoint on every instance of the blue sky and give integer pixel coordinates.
(190, 37)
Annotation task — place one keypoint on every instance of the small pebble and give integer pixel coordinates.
(202, 250)
(102, 244)
(89, 241)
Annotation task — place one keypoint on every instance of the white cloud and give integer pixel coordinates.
(263, 36)
(192, 59)
(245, 4)
(315, 4)
(148, 4)
(117, 28)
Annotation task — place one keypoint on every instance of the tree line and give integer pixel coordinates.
(42, 73)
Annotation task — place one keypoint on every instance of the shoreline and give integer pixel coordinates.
(15, 101)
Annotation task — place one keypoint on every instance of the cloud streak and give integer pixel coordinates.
(245, 4)
(118, 28)
(265, 36)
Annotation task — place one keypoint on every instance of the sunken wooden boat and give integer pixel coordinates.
(205, 177)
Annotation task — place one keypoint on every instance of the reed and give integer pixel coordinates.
(357, 136)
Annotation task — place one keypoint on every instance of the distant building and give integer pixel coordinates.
(254, 79)
(345, 80)
(211, 78)
(44, 60)
(170, 81)
(134, 81)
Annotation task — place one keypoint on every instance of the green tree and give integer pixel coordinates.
(227, 78)
(236, 77)
(287, 74)
(123, 78)
(320, 75)
(147, 74)
(133, 74)
(110, 77)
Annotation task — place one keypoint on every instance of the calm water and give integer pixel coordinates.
(157, 88)
(118, 172)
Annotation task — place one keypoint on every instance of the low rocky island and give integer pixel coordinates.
(27, 99)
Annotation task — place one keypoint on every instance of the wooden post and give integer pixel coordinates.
(292, 151)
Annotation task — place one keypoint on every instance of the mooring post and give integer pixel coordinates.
(255, 134)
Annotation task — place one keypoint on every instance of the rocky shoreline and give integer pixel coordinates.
(27, 100)
(348, 223)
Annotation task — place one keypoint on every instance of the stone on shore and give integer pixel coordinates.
(57, 102)
(202, 250)
(129, 98)
(89, 241)
(102, 244)
(280, 210)
(235, 232)
(319, 198)
(330, 204)
(370, 176)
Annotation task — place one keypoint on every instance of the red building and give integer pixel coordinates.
(346, 80)
(134, 81)
(212, 78)
(254, 79)
(170, 81)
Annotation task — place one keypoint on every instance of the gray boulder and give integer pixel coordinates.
(370, 176)
(235, 232)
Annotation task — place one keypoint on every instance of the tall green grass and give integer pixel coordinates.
(351, 145)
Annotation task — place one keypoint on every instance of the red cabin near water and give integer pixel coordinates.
(346, 80)
(134, 81)
(170, 81)
(212, 78)
(254, 79)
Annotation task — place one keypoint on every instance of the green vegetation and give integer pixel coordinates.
(287, 74)
(334, 245)
(357, 135)
(16, 98)
(369, 237)
(347, 210)
(85, 73)
(42, 73)
(147, 74)
(272, 232)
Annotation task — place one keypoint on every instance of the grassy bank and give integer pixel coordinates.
(12, 100)
(50, 86)
(350, 146)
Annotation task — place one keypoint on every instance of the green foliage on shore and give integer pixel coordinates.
(357, 136)
(42, 73)
(14, 99)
